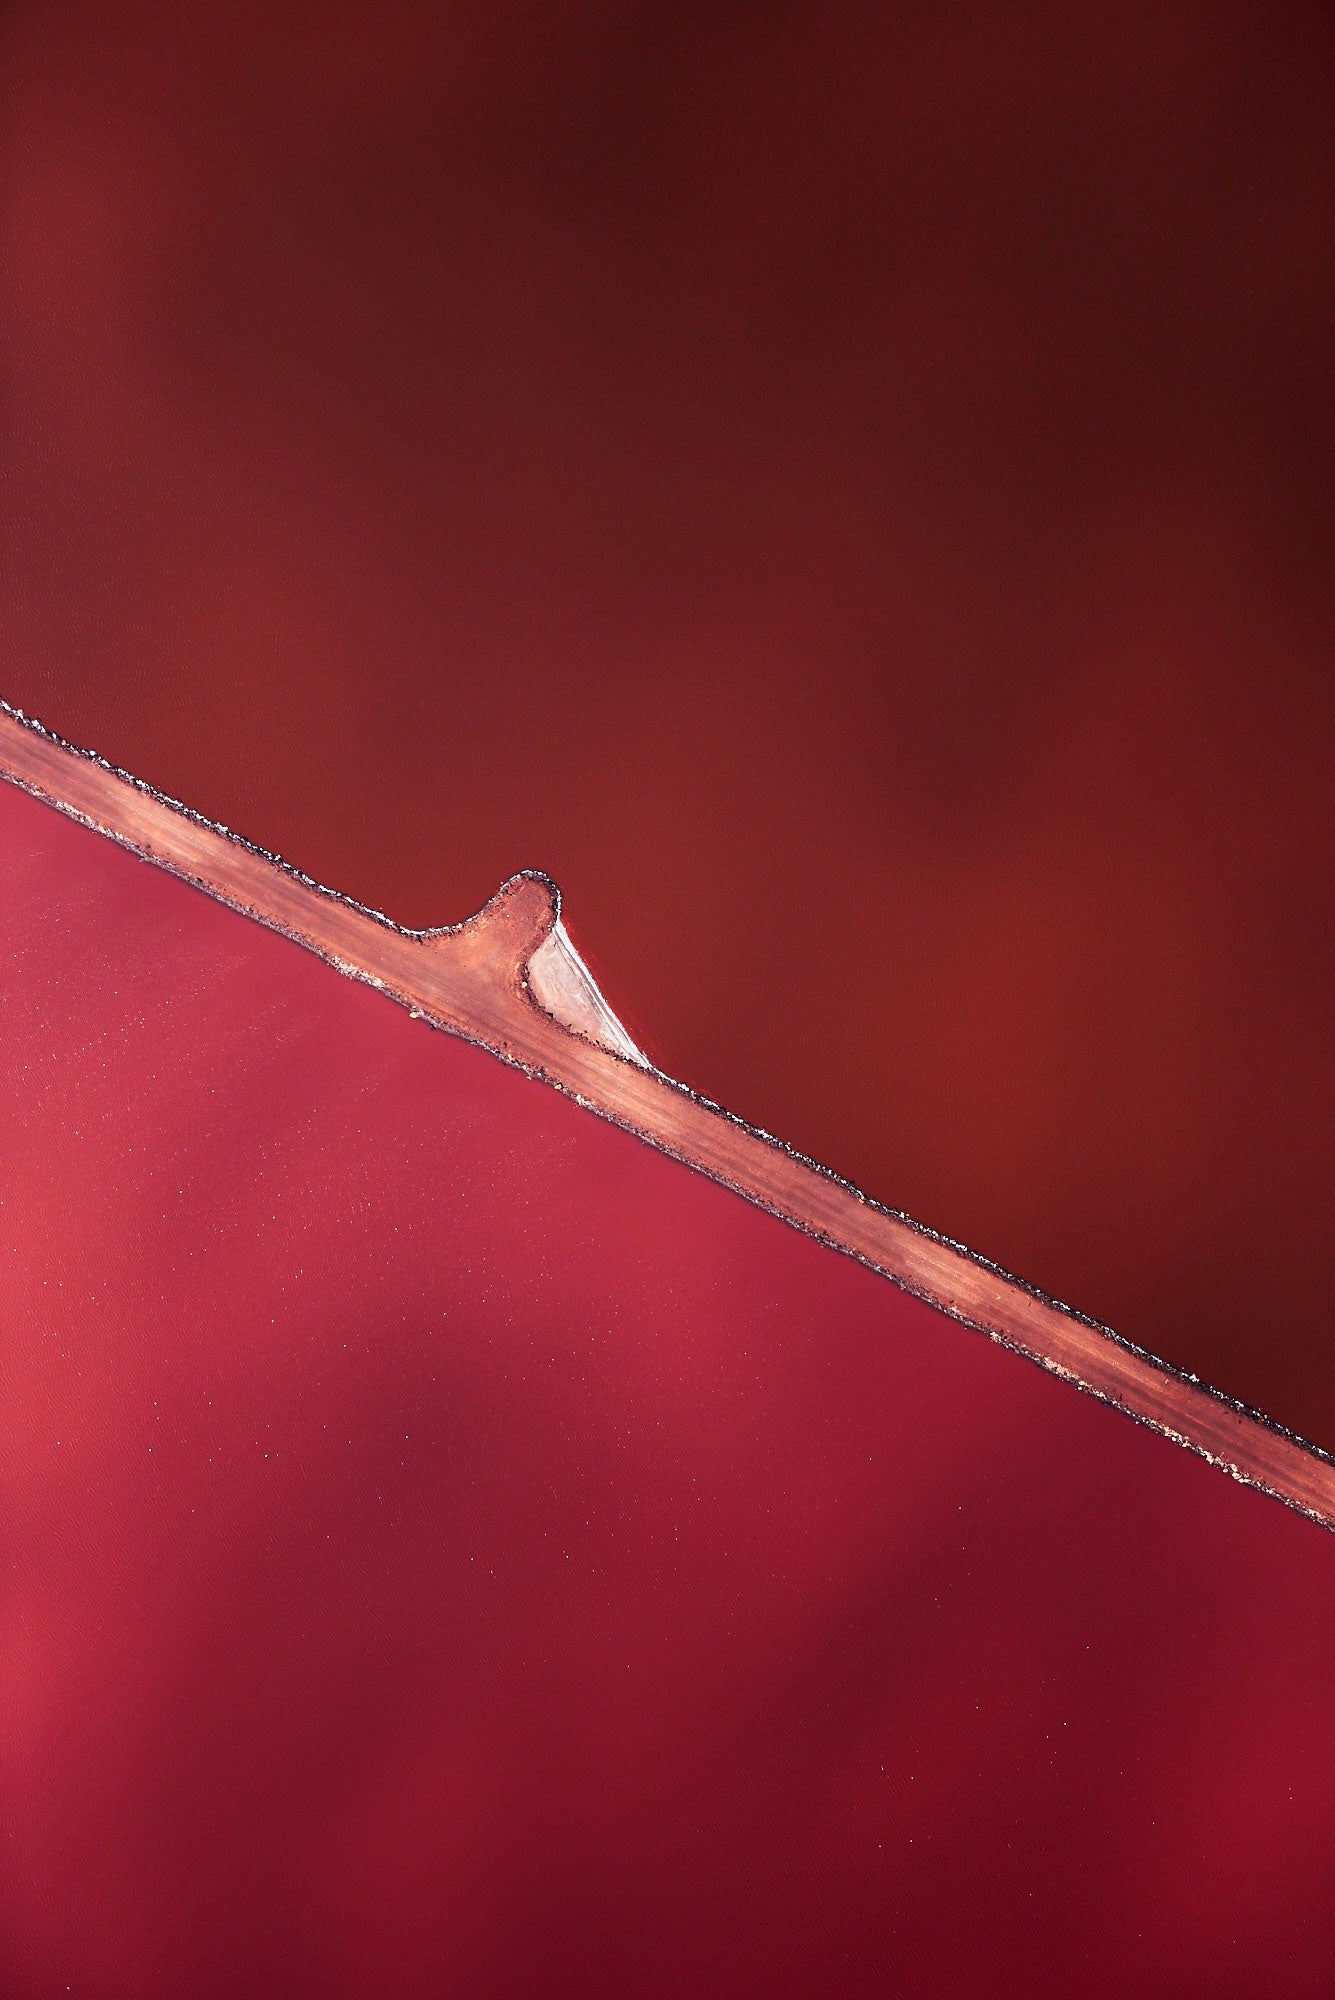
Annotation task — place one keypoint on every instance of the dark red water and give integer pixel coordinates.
(847, 490)
(453, 1550)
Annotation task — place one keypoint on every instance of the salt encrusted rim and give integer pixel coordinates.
(552, 891)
